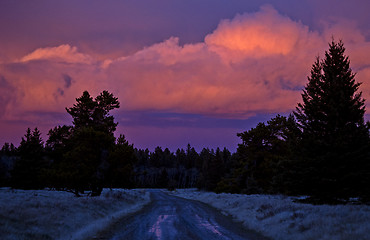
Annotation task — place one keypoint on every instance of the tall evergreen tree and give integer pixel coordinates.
(89, 112)
(215, 171)
(266, 154)
(332, 105)
(81, 151)
(121, 161)
(29, 169)
(335, 136)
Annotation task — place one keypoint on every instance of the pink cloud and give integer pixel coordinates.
(65, 53)
(261, 34)
(254, 63)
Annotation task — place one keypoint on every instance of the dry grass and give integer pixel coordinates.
(46, 214)
(278, 217)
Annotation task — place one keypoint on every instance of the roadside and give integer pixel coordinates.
(280, 218)
(43, 214)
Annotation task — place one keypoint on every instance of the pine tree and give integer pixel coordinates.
(335, 136)
(81, 151)
(121, 161)
(29, 169)
(88, 112)
(215, 171)
(332, 105)
(265, 155)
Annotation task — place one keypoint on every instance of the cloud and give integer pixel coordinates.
(65, 53)
(262, 34)
(244, 67)
(251, 64)
(6, 95)
(44, 86)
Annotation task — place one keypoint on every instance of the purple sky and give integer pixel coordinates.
(195, 71)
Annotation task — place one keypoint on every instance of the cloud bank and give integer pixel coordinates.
(254, 63)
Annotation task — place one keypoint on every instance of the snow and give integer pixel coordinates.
(42, 214)
(278, 217)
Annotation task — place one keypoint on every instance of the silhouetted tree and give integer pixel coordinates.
(57, 141)
(335, 136)
(86, 162)
(3, 172)
(205, 157)
(191, 157)
(121, 161)
(265, 154)
(88, 112)
(29, 169)
(215, 171)
(162, 168)
(142, 156)
(8, 149)
(8, 156)
(86, 144)
(181, 156)
(156, 158)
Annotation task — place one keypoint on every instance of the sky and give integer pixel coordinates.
(195, 71)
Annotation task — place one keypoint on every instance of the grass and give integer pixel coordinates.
(46, 214)
(280, 217)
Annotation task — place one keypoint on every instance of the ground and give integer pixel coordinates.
(44, 214)
(279, 217)
(47, 214)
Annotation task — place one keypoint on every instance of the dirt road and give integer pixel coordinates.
(170, 217)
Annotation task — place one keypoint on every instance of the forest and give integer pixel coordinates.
(321, 149)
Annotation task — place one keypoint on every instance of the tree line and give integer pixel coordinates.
(182, 169)
(86, 157)
(321, 149)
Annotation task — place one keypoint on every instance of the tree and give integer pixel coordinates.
(3, 172)
(29, 169)
(265, 154)
(88, 112)
(121, 161)
(8, 156)
(191, 157)
(335, 136)
(156, 158)
(8, 149)
(181, 157)
(81, 151)
(332, 106)
(205, 157)
(57, 141)
(215, 171)
(85, 165)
